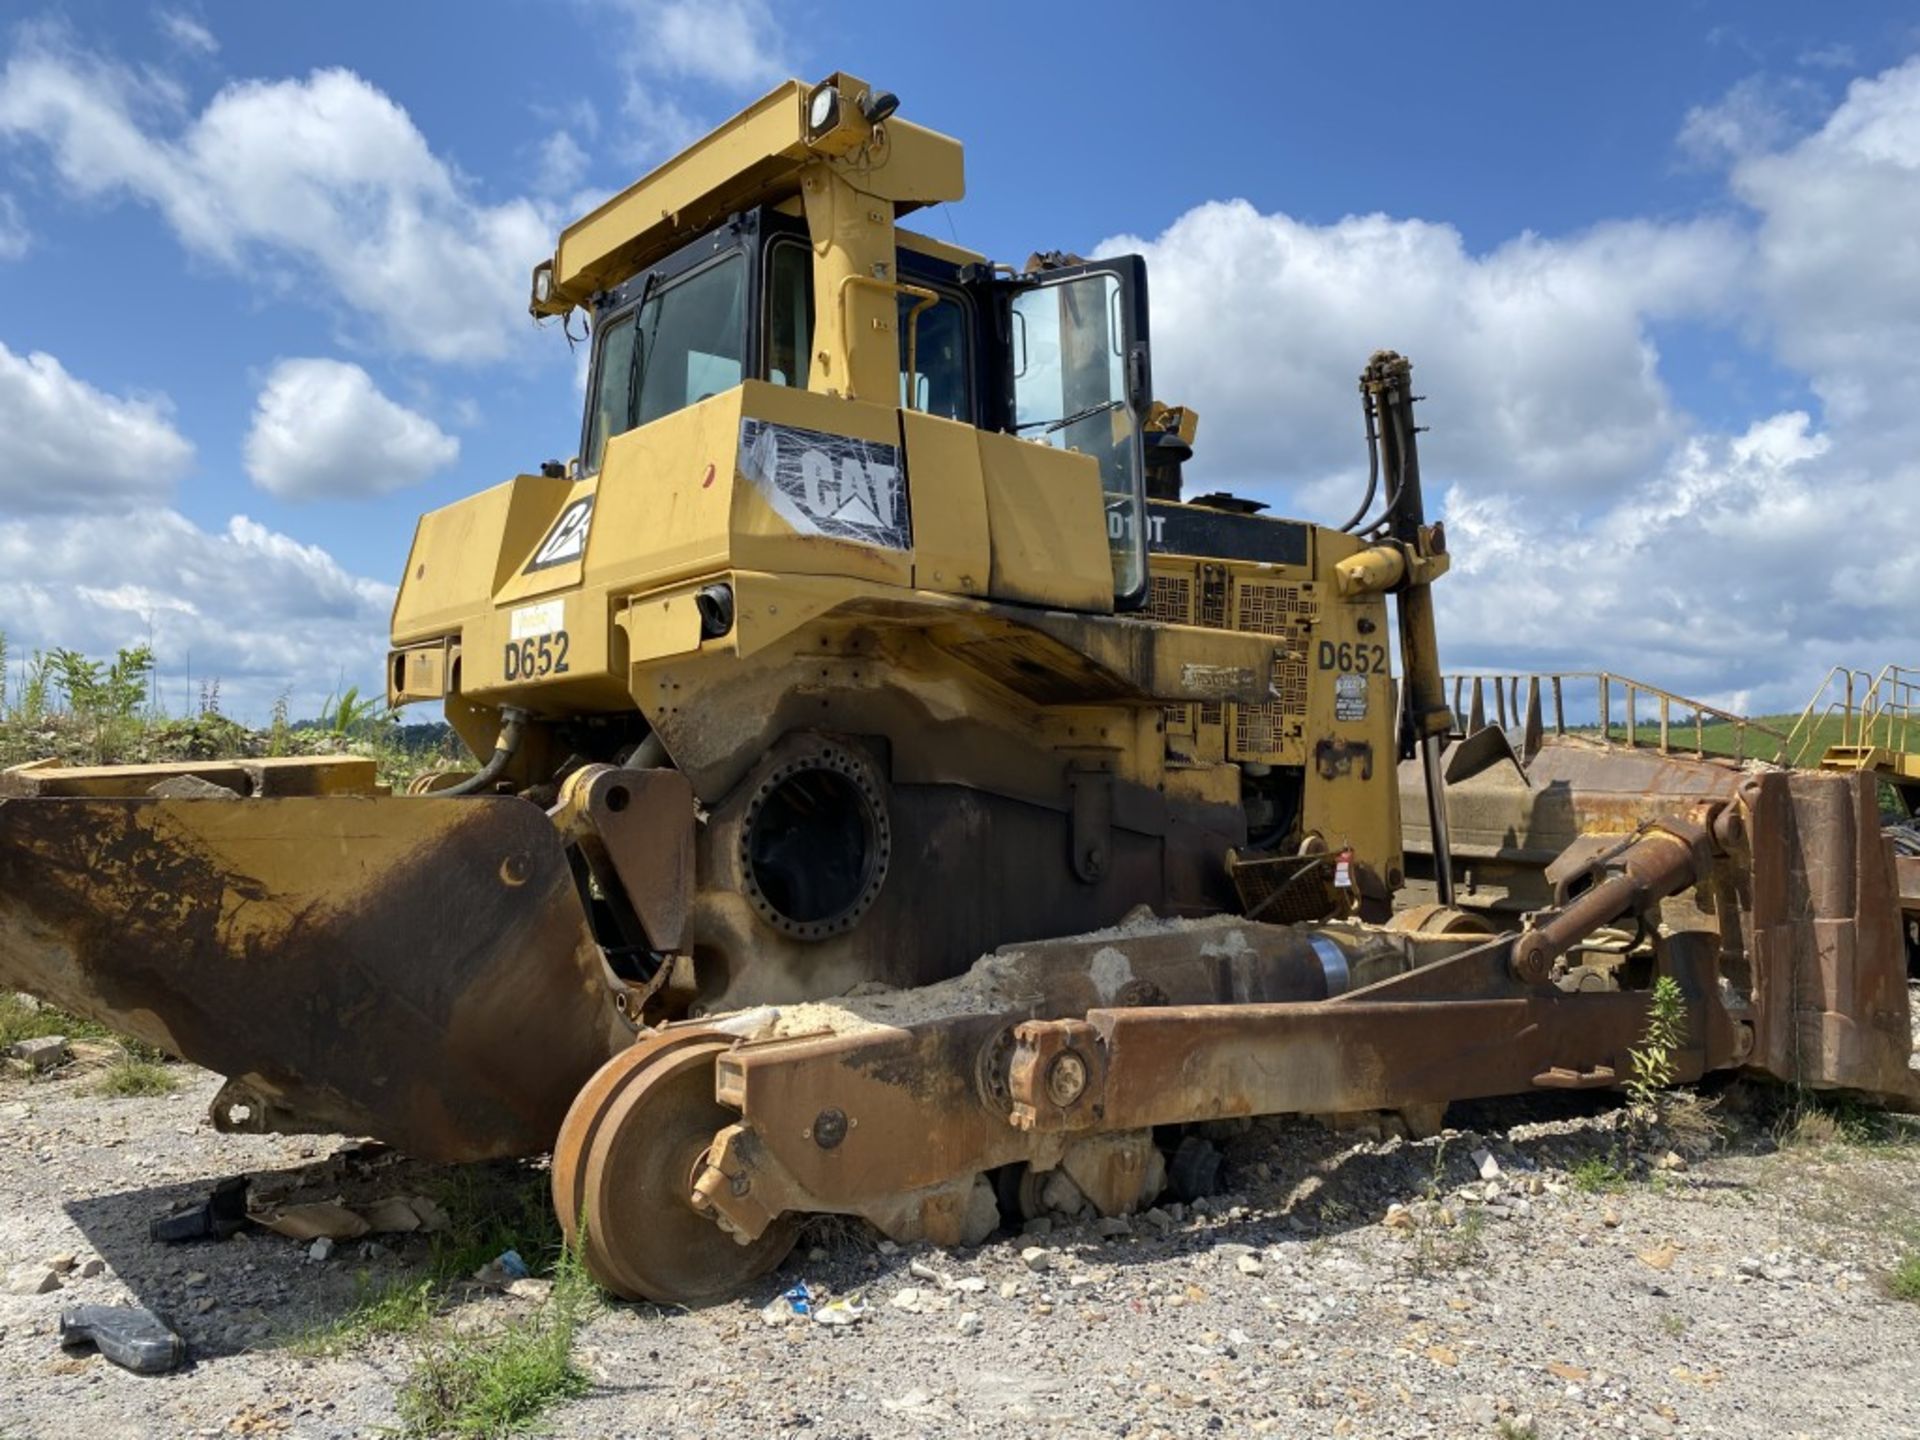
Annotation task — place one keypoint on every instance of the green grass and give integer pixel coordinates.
(1599, 1175)
(1904, 1282)
(404, 1306)
(491, 1208)
(129, 1076)
(22, 1019)
(495, 1383)
(500, 1384)
(49, 729)
(1721, 738)
(1816, 1120)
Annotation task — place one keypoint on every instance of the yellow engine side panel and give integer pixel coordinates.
(463, 552)
(1048, 522)
(952, 544)
(764, 538)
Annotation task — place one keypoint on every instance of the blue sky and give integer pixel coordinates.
(266, 261)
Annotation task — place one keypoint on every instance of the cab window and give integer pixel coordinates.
(789, 314)
(940, 359)
(684, 342)
(942, 380)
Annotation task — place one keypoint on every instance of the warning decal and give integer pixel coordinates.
(567, 540)
(829, 485)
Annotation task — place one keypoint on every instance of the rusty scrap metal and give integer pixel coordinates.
(635, 829)
(839, 1122)
(273, 776)
(409, 969)
(1665, 857)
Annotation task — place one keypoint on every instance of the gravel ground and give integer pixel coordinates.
(1741, 1295)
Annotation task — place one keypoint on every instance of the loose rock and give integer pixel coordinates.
(41, 1053)
(32, 1280)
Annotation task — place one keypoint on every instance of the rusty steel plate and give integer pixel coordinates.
(417, 970)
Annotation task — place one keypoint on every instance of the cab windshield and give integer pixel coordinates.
(684, 342)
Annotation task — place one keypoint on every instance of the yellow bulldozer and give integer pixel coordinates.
(891, 798)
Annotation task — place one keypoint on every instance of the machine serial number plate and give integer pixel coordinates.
(1349, 697)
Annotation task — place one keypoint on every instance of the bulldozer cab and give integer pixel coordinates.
(1058, 357)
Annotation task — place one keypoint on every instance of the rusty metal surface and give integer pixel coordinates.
(1074, 1043)
(928, 1099)
(642, 826)
(645, 1237)
(411, 969)
(916, 1112)
(1506, 829)
(969, 871)
(1828, 963)
(282, 775)
(567, 1178)
(1375, 1051)
(1670, 855)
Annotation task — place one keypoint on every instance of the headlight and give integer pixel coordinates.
(823, 110)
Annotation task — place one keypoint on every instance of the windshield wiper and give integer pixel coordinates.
(637, 362)
(1047, 427)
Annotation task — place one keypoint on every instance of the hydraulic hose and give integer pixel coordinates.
(1373, 463)
(513, 725)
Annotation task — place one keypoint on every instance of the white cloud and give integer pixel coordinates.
(1749, 563)
(187, 33)
(1749, 118)
(15, 240)
(730, 43)
(1838, 268)
(66, 446)
(257, 610)
(1738, 567)
(325, 175)
(732, 47)
(322, 428)
(1537, 356)
(1836, 56)
(1594, 523)
(561, 164)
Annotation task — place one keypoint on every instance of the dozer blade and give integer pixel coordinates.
(417, 970)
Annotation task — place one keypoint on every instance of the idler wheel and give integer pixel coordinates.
(568, 1178)
(644, 1240)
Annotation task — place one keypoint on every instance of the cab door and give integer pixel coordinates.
(1078, 353)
